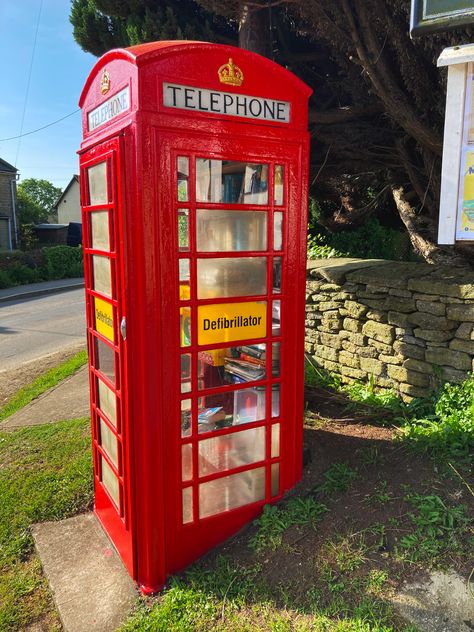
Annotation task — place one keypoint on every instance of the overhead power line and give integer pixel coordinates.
(40, 128)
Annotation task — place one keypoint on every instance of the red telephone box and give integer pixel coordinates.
(194, 193)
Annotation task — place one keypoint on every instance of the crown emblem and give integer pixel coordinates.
(230, 74)
(105, 82)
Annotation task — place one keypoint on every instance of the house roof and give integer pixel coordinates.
(75, 178)
(6, 166)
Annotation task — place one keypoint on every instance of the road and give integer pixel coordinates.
(33, 328)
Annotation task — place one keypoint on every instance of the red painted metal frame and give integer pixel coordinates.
(141, 146)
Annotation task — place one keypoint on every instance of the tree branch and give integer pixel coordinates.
(344, 114)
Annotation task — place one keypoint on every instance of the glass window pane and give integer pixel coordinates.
(97, 176)
(277, 275)
(220, 278)
(102, 275)
(184, 275)
(185, 326)
(276, 317)
(187, 505)
(185, 372)
(275, 479)
(185, 417)
(105, 357)
(231, 365)
(183, 179)
(107, 402)
(275, 400)
(277, 230)
(183, 229)
(186, 462)
(231, 182)
(275, 359)
(109, 442)
(223, 410)
(226, 452)
(275, 441)
(227, 231)
(100, 237)
(230, 492)
(110, 481)
(278, 184)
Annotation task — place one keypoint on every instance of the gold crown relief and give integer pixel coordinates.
(105, 82)
(230, 74)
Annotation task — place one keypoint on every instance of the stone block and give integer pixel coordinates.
(330, 366)
(433, 335)
(308, 347)
(414, 391)
(431, 307)
(396, 304)
(453, 375)
(462, 345)
(325, 287)
(348, 371)
(371, 366)
(390, 359)
(372, 296)
(331, 340)
(354, 309)
(401, 374)
(349, 359)
(448, 357)
(325, 352)
(461, 312)
(367, 352)
(377, 315)
(350, 324)
(325, 306)
(418, 365)
(357, 339)
(408, 350)
(400, 293)
(381, 347)
(379, 331)
(428, 321)
(409, 338)
(312, 335)
(398, 319)
(465, 331)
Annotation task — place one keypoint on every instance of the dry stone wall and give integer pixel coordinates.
(408, 325)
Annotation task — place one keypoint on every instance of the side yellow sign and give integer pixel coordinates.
(231, 321)
(104, 318)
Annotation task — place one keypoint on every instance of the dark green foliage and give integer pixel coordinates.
(370, 241)
(36, 199)
(100, 25)
(62, 262)
(448, 432)
(51, 262)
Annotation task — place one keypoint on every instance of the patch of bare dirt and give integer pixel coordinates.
(12, 380)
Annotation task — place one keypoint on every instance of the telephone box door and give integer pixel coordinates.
(105, 311)
(235, 430)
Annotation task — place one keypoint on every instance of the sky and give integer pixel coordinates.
(59, 70)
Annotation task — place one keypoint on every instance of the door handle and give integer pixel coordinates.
(123, 328)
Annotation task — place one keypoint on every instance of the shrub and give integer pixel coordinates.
(370, 241)
(62, 262)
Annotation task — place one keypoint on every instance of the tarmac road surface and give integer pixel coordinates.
(34, 327)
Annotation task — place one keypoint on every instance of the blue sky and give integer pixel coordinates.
(59, 71)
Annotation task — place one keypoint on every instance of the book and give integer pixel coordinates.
(242, 368)
(211, 415)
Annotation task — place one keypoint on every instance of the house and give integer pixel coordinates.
(68, 206)
(8, 225)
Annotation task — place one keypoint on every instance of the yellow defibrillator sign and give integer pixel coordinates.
(231, 321)
(104, 318)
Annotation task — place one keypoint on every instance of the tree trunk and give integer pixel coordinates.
(255, 30)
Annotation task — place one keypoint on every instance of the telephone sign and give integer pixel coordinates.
(194, 191)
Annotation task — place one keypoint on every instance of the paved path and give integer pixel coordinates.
(68, 400)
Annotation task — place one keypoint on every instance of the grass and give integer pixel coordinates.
(45, 474)
(43, 383)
